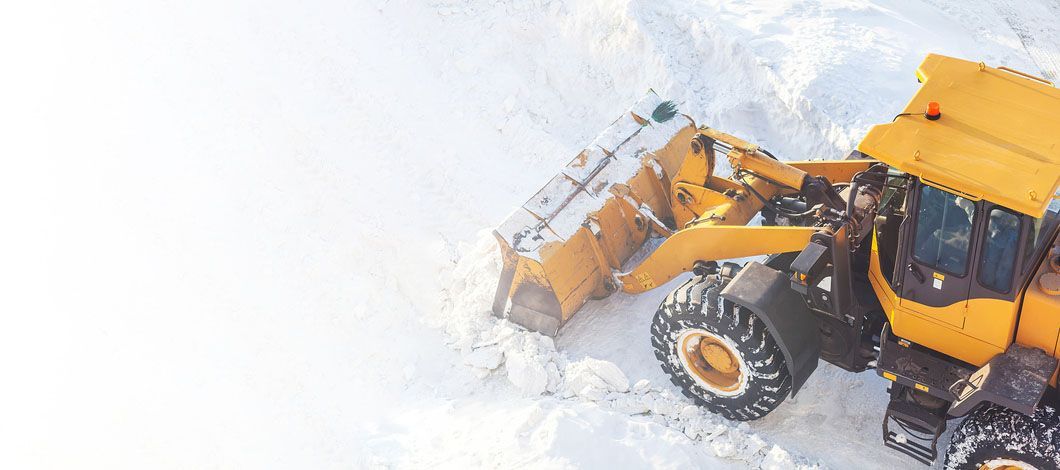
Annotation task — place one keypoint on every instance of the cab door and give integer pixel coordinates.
(937, 255)
(992, 304)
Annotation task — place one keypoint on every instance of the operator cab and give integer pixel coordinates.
(946, 235)
(947, 254)
(956, 245)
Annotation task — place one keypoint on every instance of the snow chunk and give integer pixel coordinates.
(529, 376)
(489, 358)
(592, 379)
(778, 459)
(642, 386)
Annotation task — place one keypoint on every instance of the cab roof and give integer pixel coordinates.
(998, 137)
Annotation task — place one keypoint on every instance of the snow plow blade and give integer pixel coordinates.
(560, 247)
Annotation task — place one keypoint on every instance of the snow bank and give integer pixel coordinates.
(803, 79)
(532, 365)
(228, 222)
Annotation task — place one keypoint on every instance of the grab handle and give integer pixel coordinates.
(1026, 75)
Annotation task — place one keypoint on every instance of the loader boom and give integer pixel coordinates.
(710, 242)
(649, 175)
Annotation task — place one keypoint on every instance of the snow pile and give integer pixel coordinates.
(246, 234)
(531, 364)
(803, 79)
(593, 379)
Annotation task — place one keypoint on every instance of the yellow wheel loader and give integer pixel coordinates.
(929, 255)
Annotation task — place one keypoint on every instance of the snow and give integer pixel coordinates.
(256, 234)
(592, 379)
(565, 202)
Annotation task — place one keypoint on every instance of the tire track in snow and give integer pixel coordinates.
(720, 79)
(1035, 26)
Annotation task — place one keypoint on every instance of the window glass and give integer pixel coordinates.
(894, 194)
(1039, 229)
(999, 250)
(892, 210)
(943, 230)
(1030, 246)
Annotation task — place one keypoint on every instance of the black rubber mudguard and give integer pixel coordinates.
(1016, 379)
(767, 292)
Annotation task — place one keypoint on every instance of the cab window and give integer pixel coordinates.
(1040, 228)
(943, 230)
(1000, 245)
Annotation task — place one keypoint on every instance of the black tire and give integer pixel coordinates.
(997, 433)
(696, 306)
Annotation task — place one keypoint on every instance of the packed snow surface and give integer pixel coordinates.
(256, 234)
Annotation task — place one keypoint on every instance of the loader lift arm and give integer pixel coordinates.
(654, 176)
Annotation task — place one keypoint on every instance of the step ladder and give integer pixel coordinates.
(911, 429)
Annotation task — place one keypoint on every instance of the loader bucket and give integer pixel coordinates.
(560, 247)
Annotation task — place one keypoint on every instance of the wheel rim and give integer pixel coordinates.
(1006, 464)
(712, 361)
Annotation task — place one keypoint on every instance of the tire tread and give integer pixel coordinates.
(697, 304)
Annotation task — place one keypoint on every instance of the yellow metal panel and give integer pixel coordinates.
(941, 337)
(953, 314)
(651, 191)
(1039, 321)
(998, 137)
(888, 299)
(711, 243)
(1040, 315)
(991, 320)
(672, 155)
(619, 236)
(908, 322)
(573, 272)
(976, 337)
